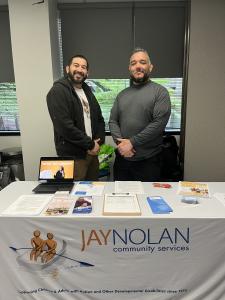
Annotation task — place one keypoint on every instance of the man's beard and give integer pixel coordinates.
(71, 77)
(140, 80)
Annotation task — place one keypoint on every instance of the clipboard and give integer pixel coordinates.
(121, 204)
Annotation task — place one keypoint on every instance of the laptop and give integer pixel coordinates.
(55, 174)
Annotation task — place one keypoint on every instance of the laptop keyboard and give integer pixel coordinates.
(59, 187)
(52, 188)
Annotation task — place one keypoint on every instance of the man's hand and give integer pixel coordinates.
(125, 148)
(94, 151)
(129, 153)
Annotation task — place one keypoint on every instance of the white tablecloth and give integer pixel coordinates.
(173, 256)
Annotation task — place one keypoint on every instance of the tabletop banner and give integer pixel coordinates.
(103, 258)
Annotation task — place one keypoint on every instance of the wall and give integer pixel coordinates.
(205, 116)
(36, 64)
(10, 141)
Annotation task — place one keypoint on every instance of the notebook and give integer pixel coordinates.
(55, 174)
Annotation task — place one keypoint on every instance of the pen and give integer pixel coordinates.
(121, 193)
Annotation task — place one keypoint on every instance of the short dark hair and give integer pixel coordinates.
(80, 56)
(139, 49)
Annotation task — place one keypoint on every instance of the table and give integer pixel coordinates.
(172, 256)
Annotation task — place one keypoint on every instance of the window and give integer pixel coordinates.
(159, 27)
(9, 120)
(9, 117)
(106, 90)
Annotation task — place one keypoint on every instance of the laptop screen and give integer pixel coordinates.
(56, 169)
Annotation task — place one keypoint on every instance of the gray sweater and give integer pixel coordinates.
(140, 113)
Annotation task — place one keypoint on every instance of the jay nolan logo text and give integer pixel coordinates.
(137, 239)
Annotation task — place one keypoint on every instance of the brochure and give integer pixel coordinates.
(187, 188)
(59, 206)
(121, 205)
(83, 205)
(88, 188)
(158, 205)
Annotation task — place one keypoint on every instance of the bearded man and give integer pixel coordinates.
(79, 126)
(137, 122)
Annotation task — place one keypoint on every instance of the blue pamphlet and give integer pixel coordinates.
(83, 205)
(158, 205)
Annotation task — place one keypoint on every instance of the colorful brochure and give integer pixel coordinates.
(83, 205)
(59, 206)
(187, 188)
